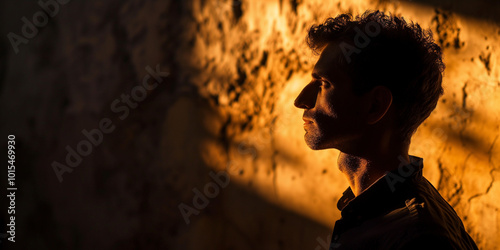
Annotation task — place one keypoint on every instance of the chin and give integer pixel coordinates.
(315, 142)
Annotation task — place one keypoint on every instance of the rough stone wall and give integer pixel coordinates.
(223, 105)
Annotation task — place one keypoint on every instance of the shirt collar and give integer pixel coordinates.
(383, 194)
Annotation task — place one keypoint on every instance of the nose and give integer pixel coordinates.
(307, 97)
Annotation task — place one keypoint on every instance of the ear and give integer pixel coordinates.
(381, 100)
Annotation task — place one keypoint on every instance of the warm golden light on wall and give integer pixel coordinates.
(458, 142)
(227, 74)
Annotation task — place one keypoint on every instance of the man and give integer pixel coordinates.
(377, 79)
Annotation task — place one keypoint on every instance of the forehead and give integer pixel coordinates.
(332, 64)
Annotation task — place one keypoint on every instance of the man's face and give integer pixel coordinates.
(333, 114)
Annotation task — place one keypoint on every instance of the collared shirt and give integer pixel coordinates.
(401, 210)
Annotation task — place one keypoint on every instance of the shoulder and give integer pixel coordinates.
(431, 207)
(436, 223)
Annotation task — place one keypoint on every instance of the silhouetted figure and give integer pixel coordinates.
(377, 79)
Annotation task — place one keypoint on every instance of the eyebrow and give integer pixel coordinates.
(317, 76)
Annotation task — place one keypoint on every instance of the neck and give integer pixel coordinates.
(362, 170)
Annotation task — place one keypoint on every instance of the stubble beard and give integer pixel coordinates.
(313, 139)
(317, 138)
(319, 134)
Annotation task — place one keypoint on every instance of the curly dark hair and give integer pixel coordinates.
(391, 52)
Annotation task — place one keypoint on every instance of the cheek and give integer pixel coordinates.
(344, 107)
(332, 104)
(326, 113)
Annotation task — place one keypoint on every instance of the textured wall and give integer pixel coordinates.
(227, 74)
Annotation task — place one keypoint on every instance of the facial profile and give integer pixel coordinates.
(333, 114)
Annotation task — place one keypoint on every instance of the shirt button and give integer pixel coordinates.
(336, 237)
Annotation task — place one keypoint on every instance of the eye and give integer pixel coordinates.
(324, 83)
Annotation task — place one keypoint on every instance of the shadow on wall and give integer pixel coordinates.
(213, 209)
(239, 219)
(127, 193)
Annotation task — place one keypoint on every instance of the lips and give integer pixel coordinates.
(307, 121)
